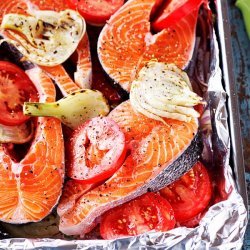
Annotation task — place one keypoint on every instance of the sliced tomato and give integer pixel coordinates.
(72, 4)
(173, 11)
(200, 108)
(193, 222)
(96, 12)
(145, 213)
(15, 89)
(190, 194)
(97, 150)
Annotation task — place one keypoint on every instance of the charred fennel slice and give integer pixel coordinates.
(72, 110)
(164, 91)
(45, 37)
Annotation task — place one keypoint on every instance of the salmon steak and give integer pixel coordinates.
(32, 187)
(157, 152)
(126, 43)
(72, 191)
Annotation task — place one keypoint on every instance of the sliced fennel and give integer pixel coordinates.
(16, 134)
(72, 110)
(47, 37)
(164, 91)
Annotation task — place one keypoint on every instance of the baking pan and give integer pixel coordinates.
(224, 225)
(225, 43)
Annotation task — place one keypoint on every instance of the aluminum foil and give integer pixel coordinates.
(224, 224)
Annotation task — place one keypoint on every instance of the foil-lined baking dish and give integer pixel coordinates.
(224, 224)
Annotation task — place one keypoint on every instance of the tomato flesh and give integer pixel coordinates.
(72, 4)
(173, 11)
(97, 149)
(96, 12)
(190, 194)
(15, 89)
(193, 222)
(145, 213)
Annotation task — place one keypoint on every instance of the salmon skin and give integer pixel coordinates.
(32, 187)
(174, 171)
(126, 44)
(83, 74)
(156, 151)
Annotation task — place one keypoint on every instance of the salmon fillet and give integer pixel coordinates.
(59, 75)
(154, 149)
(126, 43)
(83, 74)
(72, 191)
(30, 188)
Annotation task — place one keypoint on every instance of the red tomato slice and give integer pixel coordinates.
(72, 3)
(190, 194)
(15, 89)
(145, 213)
(97, 150)
(193, 222)
(200, 108)
(96, 12)
(173, 11)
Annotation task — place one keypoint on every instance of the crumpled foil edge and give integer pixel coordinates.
(223, 226)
